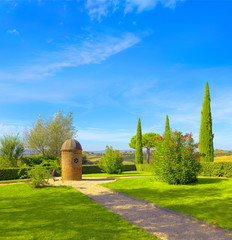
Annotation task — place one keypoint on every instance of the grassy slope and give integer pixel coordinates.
(209, 200)
(59, 213)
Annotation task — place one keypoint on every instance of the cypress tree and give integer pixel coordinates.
(206, 136)
(139, 146)
(167, 127)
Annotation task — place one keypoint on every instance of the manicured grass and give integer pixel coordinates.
(59, 213)
(123, 174)
(210, 199)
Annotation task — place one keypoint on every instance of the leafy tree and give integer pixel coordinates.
(206, 137)
(167, 127)
(36, 137)
(47, 137)
(147, 142)
(139, 146)
(11, 149)
(59, 129)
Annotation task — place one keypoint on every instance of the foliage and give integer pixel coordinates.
(206, 137)
(86, 169)
(209, 199)
(147, 142)
(84, 158)
(13, 173)
(32, 160)
(216, 169)
(145, 167)
(17, 173)
(139, 144)
(47, 137)
(59, 213)
(175, 159)
(111, 162)
(38, 176)
(5, 163)
(11, 149)
(167, 128)
(36, 137)
(60, 128)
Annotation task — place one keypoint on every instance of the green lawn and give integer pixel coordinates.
(123, 174)
(210, 199)
(58, 213)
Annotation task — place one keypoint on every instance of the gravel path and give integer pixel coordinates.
(159, 221)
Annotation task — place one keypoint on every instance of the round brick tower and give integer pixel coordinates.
(71, 160)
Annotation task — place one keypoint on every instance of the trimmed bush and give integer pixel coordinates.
(86, 169)
(129, 167)
(111, 161)
(16, 173)
(144, 167)
(13, 173)
(216, 169)
(33, 160)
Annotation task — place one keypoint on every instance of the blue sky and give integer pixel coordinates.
(111, 62)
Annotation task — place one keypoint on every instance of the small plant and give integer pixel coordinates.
(175, 159)
(111, 162)
(38, 176)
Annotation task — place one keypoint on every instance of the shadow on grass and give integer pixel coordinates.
(58, 213)
(209, 199)
(207, 180)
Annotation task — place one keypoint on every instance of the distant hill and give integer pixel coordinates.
(219, 152)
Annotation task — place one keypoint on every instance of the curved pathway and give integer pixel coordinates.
(159, 221)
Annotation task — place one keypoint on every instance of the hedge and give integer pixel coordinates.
(13, 173)
(216, 169)
(144, 167)
(211, 169)
(16, 173)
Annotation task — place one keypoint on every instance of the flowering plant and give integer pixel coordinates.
(111, 161)
(175, 159)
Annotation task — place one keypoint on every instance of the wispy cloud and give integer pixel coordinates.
(97, 9)
(10, 129)
(13, 31)
(101, 8)
(90, 50)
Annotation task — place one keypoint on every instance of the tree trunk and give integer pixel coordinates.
(148, 155)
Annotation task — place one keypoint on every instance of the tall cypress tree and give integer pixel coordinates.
(206, 136)
(167, 127)
(139, 146)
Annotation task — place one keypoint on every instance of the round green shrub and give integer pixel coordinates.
(175, 159)
(111, 161)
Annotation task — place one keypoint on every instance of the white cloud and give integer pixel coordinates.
(103, 8)
(13, 31)
(90, 50)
